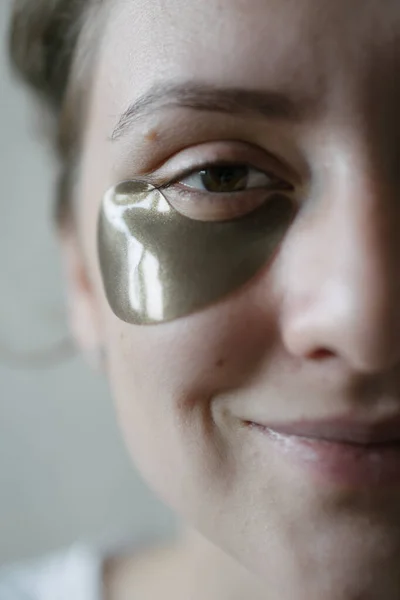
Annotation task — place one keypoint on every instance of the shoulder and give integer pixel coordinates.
(73, 573)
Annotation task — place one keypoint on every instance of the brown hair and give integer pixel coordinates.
(48, 52)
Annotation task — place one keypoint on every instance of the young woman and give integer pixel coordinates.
(228, 212)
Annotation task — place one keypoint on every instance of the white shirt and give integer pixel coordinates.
(75, 574)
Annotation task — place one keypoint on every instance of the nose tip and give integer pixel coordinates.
(342, 291)
(322, 332)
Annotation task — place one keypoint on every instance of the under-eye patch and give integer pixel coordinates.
(158, 265)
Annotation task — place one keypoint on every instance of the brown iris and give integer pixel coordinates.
(225, 178)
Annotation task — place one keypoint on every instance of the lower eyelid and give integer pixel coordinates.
(190, 192)
(208, 206)
(275, 186)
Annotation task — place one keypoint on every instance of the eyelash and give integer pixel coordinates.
(207, 205)
(281, 184)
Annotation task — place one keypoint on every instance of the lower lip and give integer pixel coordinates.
(352, 465)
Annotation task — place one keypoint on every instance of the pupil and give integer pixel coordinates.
(225, 178)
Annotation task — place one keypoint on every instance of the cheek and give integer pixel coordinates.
(165, 378)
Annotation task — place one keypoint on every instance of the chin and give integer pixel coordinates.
(326, 566)
(297, 538)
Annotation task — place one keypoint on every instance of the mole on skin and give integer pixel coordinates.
(152, 136)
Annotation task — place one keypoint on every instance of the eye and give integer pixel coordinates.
(221, 191)
(227, 179)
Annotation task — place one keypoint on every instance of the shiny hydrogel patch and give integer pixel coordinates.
(158, 265)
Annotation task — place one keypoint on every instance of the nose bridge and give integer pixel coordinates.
(365, 260)
(350, 303)
(364, 209)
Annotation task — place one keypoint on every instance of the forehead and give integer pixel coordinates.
(251, 42)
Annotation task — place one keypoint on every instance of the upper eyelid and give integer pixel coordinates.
(230, 151)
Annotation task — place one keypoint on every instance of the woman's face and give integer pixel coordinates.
(307, 91)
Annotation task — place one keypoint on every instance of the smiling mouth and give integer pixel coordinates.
(339, 429)
(338, 451)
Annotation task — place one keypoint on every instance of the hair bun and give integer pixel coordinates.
(43, 37)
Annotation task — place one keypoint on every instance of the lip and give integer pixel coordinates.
(341, 429)
(341, 451)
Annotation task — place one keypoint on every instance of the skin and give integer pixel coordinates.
(315, 334)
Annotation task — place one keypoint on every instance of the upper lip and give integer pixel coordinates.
(341, 429)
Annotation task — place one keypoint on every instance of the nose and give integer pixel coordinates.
(340, 271)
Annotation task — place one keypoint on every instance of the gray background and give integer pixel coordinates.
(64, 473)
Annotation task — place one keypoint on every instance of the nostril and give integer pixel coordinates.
(321, 354)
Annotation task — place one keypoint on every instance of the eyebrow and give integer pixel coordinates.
(269, 104)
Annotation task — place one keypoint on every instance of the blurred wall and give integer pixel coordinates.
(64, 473)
